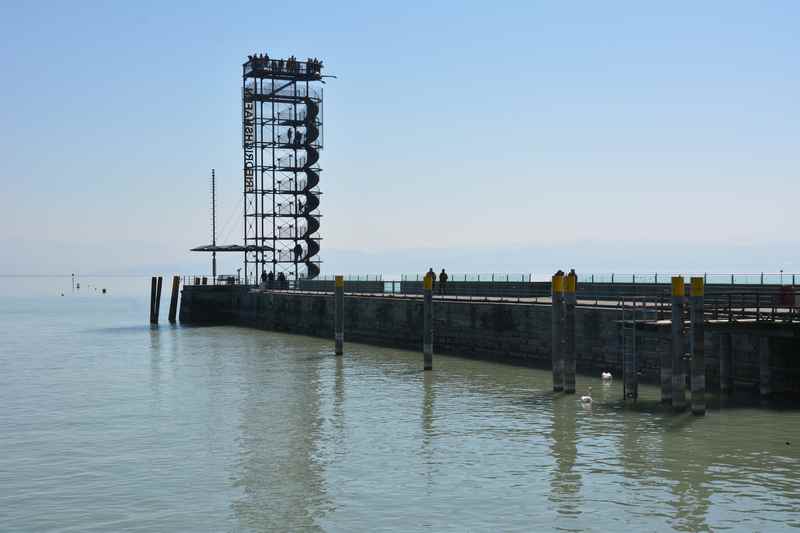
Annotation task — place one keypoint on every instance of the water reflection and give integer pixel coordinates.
(427, 427)
(565, 479)
(155, 364)
(282, 482)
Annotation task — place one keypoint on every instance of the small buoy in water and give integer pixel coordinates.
(606, 376)
(587, 398)
(104, 291)
(788, 443)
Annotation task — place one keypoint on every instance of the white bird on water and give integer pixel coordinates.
(606, 376)
(587, 398)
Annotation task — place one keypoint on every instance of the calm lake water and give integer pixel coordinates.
(109, 425)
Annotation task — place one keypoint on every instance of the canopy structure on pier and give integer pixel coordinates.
(231, 248)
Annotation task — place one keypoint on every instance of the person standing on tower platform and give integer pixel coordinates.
(289, 133)
(443, 277)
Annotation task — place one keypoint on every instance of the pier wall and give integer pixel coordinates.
(494, 331)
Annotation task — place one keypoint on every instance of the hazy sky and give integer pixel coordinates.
(487, 135)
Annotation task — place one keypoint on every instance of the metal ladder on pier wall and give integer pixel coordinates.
(630, 370)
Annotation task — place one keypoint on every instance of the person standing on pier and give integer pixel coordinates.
(270, 279)
(263, 279)
(443, 277)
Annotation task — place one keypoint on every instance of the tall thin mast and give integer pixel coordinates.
(213, 225)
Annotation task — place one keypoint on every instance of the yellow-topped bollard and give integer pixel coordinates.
(678, 286)
(570, 299)
(427, 322)
(557, 338)
(338, 319)
(697, 293)
(571, 283)
(558, 283)
(698, 287)
(674, 370)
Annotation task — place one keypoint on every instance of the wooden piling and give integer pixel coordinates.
(153, 282)
(157, 304)
(725, 363)
(569, 332)
(697, 295)
(338, 321)
(557, 293)
(678, 345)
(765, 371)
(427, 336)
(173, 300)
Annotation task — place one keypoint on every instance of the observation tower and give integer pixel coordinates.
(281, 142)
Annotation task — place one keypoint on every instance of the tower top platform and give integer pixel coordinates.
(263, 66)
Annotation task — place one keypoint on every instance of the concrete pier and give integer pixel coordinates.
(338, 323)
(678, 345)
(558, 332)
(765, 372)
(698, 347)
(569, 332)
(173, 300)
(725, 363)
(427, 336)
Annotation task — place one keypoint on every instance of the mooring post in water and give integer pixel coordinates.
(725, 363)
(153, 282)
(666, 356)
(173, 300)
(157, 306)
(765, 380)
(569, 332)
(678, 344)
(557, 295)
(630, 363)
(698, 347)
(338, 320)
(427, 337)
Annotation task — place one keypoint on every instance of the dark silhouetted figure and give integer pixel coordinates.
(281, 280)
(443, 277)
(289, 133)
(263, 279)
(270, 279)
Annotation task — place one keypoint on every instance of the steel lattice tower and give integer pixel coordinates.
(281, 141)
